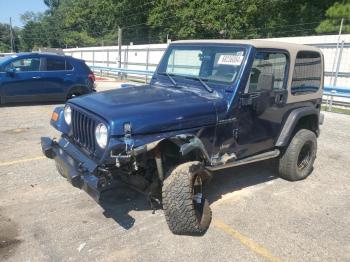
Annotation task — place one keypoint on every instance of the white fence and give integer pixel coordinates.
(146, 57)
(133, 57)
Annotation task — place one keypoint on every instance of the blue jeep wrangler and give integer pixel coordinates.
(211, 104)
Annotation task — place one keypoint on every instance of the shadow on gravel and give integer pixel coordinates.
(8, 237)
(237, 178)
(117, 203)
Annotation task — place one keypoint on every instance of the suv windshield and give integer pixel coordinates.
(206, 62)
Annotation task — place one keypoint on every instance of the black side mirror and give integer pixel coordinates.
(265, 82)
(10, 71)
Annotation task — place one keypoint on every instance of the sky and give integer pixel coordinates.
(14, 9)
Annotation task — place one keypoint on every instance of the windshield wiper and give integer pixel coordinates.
(208, 88)
(169, 76)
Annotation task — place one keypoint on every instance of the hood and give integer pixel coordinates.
(153, 109)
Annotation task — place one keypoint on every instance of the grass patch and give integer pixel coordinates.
(339, 110)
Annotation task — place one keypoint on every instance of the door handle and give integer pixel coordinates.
(36, 77)
(279, 99)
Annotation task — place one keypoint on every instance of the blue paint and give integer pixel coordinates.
(337, 91)
(39, 84)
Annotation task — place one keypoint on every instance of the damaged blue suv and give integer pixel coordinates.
(211, 104)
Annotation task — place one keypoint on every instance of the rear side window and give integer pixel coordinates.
(307, 74)
(69, 66)
(57, 65)
(85, 67)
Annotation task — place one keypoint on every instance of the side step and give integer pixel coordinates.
(248, 160)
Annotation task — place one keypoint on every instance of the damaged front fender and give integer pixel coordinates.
(186, 143)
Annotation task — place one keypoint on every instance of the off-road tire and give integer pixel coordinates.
(180, 212)
(292, 167)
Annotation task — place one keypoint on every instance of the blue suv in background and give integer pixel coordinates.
(43, 77)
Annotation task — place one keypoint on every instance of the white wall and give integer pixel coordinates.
(133, 57)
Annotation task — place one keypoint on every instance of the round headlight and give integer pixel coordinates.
(101, 135)
(68, 114)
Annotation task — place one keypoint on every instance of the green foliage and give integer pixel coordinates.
(334, 15)
(52, 4)
(237, 19)
(72, 23)
(5, 40)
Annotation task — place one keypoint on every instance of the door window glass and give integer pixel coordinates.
(25, 65)
(268, 63)
(307, 74)
(55, 64)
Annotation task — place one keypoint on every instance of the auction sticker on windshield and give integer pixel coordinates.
(235, 59)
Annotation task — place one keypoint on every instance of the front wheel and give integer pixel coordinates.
(297, 161)
(187, 212)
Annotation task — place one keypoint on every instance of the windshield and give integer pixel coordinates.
(4, 59)
(207, 62)
(3, 62)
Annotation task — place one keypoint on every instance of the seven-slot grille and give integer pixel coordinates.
(83, 130)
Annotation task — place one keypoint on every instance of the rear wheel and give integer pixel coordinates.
(299, 157)
(187, 212)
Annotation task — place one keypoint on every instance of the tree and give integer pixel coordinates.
(334, 15)
(237, 19)
(52, 4)
(80, 23)
(5, 39)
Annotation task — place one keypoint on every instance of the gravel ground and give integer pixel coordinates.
(256, 216)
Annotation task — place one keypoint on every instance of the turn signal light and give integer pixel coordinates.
(54, 116)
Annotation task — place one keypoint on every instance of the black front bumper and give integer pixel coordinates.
(72, 164)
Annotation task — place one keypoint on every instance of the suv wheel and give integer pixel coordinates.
(298, 159)
(186, 210)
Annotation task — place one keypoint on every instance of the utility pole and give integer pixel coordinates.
(336, 51)
(11, 36)
(119, 50)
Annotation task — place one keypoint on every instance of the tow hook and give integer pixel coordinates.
(47, 147)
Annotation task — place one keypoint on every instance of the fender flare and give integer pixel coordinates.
(188, 143)
(292, 121)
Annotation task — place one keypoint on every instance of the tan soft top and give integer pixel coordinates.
(293, 48)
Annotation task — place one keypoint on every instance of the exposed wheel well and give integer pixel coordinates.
(172, 156)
